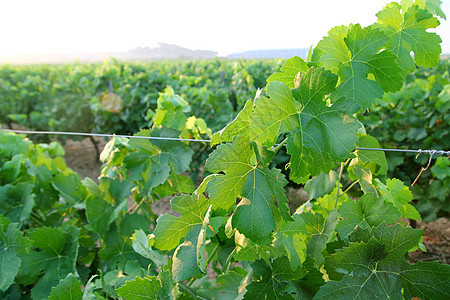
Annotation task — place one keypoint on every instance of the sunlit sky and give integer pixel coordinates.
(50, 26)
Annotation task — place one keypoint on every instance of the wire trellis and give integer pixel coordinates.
(431, 153)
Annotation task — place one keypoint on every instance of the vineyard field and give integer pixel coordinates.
(245, 179)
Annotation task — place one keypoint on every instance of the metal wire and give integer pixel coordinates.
(419, 151)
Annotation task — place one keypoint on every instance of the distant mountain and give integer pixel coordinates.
(164, 51)
(271, 53)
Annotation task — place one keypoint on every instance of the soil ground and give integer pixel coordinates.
(81, 157)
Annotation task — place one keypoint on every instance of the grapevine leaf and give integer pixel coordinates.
(235, 160)
(171, 110)
(369, 157)
(68, 288)
(68, 185)
(265, 126)
(367, 212)
(319, 135)
(406, 28)
(17, 201)
(227, 285)
(200, 247)
(117, 248)
(386, 71)
(321, 184)
(239, 126)
(151, 162)
(254, 216)
(167, 284)
(11, 169)
(189, 257)
(246, 249)
(272, 279)
(289, 72)
(375, 267)
(12, 246)
(291, 239)
(141, 245)
(140, 288)
(319, 232)
(169, 229)
(185, 257)
(308, 286)
(332, 50)
(433, 6)
(9, 265)
(102, 211)
(42, 169)
(364, 44)
(55, 257)
(352, 53)
(88, 293)
(365, 176)
(399, 195)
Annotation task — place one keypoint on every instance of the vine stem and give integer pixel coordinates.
(341, 170)
(350, 186)
(280, 145)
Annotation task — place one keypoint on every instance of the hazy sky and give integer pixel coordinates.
(67, 26)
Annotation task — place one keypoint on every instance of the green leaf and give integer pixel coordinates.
(246, 249)
(11, 169)
(88, 293)
(189, 257)
(102, 211)
(235, 160)
(364, 176)
(441, 168)
(319, 135)
(321, 184)
(117, 248)
(332, 50)
(171, 110)
(170, 230)
(185, 263)
(151, 161)
(399, 195)
(364, 44)
(272, 280)
(406, 28)
(319, 232)
(367, 212)
(374, 267)
(140, 288)
(17, 201)
(254, 215)
(291, 238)
(228, 285)
(142, 246)
(68, 288)
(289, 74)
(12, 246)
(55, 257)
(369, 157)
(68, 185)
(239, 126)
(386, 71)
(353, 52)
(265, 127)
